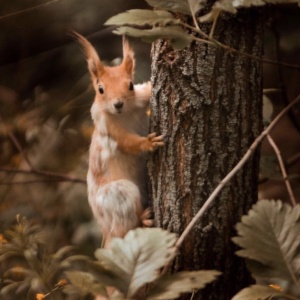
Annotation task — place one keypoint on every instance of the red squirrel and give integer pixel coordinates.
(117, 177)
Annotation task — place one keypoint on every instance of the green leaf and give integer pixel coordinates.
(269, 235)
(9, 288)
(175, 34)
(138, 257)
(180, 6)
(85, 283)
(258, 292)
(69, 261)
(17, 273)
(171, 286)
(140, 17)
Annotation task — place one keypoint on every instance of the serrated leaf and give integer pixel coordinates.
(175, 34)
(171, 286)
(257, 292)
(110, 275)
(85, 283)
(180, 6)
(140, 17)
(139, 255)
(269, 234)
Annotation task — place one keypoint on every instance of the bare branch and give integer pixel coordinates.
(19, 12)
(294, 159)
(33, 171)
(55, 176)
(283, 170)
(212, 41)
(229, 176)
(21, 150)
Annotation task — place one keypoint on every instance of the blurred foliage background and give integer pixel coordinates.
(45, 99)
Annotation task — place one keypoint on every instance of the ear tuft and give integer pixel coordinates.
(128, 57)
(94, 63)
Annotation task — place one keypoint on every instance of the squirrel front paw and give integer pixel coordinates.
(146, 219)
(152, 142)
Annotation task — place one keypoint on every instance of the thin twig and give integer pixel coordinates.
(292, 160)
(212, 41)
(27, 9)
(283, 170)
(32, 170)
(21, 150)
(193, 16)
(213, 27)
(58, 176)
(272, 91)
(228, 177)
(31, 181)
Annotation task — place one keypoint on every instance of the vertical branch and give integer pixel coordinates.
(283, 170)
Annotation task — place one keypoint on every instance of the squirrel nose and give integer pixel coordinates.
(118, 105)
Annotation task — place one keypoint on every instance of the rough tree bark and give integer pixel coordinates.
(208, 104)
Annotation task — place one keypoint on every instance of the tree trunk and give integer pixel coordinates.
(208, 103)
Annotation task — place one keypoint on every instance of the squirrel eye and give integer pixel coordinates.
(101, 89)
(131, 86)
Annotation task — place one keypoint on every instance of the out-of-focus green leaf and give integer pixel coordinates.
(17, 273)
(8, 288)
(269, 234)
(69, 261)
(60, 253)
(142, 17)
(85, 283)
(171, 286)
(177, 37)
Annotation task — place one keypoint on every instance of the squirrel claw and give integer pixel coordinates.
(155, 141)
(146, 218)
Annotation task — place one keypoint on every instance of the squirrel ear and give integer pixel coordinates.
(94, 63)
(128, 57)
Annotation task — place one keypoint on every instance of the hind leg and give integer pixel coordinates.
(117, 208)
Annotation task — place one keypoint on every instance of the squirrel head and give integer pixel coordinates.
(113, 85)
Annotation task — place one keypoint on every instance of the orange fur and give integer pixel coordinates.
(117, 179)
